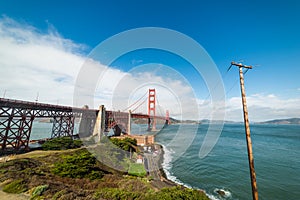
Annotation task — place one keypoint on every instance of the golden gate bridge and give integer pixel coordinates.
(16, 120)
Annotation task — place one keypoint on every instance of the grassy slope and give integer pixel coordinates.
(36, 169)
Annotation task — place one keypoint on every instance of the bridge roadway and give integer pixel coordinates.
(16, 118)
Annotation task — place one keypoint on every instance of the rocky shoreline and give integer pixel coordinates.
(165, 178)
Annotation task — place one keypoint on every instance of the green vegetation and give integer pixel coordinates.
(177, 193)
(61, 143)
(79, 165)
(172, 193)
(38, 191)
(127, 144)
(136, 169)
(111, 155)
(54, 175)
(116, 193)
(16, 187)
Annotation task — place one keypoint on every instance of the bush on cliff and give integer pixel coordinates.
(61, 143)
(127, 144)
(79, 165)
(163, 194)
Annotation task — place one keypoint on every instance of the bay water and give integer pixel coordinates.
(276, 150)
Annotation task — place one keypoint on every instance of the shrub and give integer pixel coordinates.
(126, 144)
(115, 194)
(38, 191)
(163, 194)
(78, 165)
(16, 187)
(61, 143)
(177, 193)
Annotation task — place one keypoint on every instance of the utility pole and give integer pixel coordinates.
(247, 130)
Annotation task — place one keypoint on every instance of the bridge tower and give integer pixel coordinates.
(151, 109)
(167, 118)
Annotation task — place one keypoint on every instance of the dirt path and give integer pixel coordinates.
(7, 196)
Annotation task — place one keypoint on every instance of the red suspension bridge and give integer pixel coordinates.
(16, 120)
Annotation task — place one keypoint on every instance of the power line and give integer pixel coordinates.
(226, 93)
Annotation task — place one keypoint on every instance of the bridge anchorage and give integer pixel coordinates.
(16, 121)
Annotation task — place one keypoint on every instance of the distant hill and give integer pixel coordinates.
(283, 121)
(203, 121)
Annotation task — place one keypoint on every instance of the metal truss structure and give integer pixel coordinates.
(16, 118)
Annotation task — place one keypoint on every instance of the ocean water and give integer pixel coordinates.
(276, 150)
(41, 130)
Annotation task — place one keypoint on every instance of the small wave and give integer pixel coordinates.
(220, 194)
(212, 197)
(223, 193)
(167, 166)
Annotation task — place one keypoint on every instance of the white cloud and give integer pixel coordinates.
(263, 107)
(31, 62)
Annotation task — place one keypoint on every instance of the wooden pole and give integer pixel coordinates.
(247, 130)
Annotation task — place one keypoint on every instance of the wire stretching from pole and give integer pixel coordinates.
(227, 92)
(209, 94)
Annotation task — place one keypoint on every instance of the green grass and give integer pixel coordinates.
(137, 169)
(15, 187)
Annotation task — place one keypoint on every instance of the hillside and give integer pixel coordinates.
(77, 174)
(283, 121)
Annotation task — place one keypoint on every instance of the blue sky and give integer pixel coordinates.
(264, 33)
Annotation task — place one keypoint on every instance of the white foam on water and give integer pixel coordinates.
(212, 197)
(167, 166)
(227, 193)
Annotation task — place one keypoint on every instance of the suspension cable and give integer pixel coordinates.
(139, 105)
(135, 102)
(161, 113)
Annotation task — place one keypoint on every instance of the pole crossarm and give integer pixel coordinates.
(241, 65)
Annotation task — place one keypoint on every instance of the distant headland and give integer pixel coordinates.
(282, 121)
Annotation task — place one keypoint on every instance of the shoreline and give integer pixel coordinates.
(170, 180)
(164, 172)
(159, 174)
